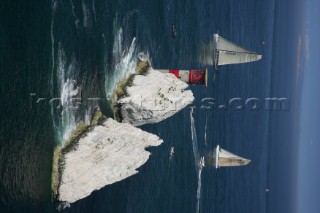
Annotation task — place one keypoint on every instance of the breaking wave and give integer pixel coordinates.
(66, 85)
(124, 61)
(65, 112)
(68, 115)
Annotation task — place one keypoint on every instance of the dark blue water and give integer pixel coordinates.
(46, 44)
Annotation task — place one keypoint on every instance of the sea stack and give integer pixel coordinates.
(98, 155)
(149, 96)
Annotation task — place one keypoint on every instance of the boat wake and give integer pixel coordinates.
(205, 132)
(199, 162)
(199, 189)
(194, 141)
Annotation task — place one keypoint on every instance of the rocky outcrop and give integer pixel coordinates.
(151, 97)
(106, 153)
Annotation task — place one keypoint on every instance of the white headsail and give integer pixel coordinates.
(227, 52)
(224, 158)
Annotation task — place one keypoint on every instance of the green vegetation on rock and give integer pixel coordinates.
(70, 145)
(55, 172)
(142, 68)
(98, 118)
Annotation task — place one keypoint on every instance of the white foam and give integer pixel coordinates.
(68, 89)
(68, 115)
(61, 67)
(88, 115)
(63, 82)
(124, 62)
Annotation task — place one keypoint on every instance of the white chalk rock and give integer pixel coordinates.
(109, 153)
(154, 97)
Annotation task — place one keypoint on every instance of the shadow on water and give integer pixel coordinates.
(26, 140)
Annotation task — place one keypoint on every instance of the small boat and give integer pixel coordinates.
(173, 31)
(171, 152)
(201, 163)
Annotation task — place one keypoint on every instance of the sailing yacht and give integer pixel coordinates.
(226, 52)
(224, 158)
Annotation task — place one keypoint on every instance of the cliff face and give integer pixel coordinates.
(107, 153)
(153, 97)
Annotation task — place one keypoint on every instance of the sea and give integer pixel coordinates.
(53, 50)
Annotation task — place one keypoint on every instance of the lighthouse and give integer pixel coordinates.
(189, 76)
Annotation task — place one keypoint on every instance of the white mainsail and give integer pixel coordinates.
(227, 52)
(224, 158)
